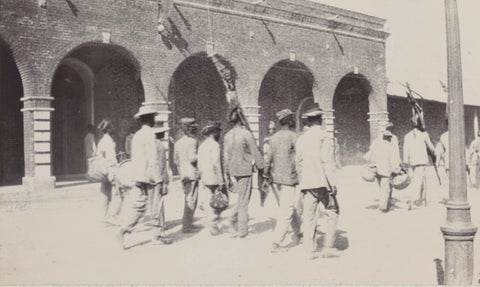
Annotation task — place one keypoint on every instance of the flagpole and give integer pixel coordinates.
(458, 230)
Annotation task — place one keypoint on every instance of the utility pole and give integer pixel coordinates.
(458, 230)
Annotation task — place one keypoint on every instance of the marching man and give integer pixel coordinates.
(185, 158)
(211, 174)
(240, 151)
(145, 167)
(280, 162)
(161, 189)
(316, 174)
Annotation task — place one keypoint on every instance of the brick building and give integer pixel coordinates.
(68, 63)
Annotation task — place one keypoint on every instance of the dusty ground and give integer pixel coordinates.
(59, 238)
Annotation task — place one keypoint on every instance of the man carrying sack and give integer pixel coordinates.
(211, 175)
(280, 162)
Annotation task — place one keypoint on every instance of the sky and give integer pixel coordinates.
(416, 48)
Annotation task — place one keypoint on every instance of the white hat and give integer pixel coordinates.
(160, 130)
(145, 110)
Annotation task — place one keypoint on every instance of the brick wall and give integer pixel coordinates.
(41, 38)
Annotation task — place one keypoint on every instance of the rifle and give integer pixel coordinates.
(228, 78)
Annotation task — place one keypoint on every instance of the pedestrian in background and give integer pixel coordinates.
(317, 182)
(160, 190)
(240, 155)
(185, 158)
(416, 149)
(106, 149)
(146, 172)
(474, 152)
(211, 173)
(280, 164)
(90, 145)
(385, 156)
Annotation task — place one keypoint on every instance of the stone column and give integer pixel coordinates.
(253, 118)
(378, 121)
(329, 123)
(37, 144)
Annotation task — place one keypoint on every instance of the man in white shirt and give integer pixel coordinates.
(316, 174)
(146, 173)
(211, 174)
(185, 158)
(416, 148)
(384, 154)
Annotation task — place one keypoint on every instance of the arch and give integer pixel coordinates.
(22, 61)
(12, 164)
(285, 85)
(92, 82)
(197, 90)
(351, 107)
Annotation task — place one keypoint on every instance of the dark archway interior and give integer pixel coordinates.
(11, 120)
(68, 122)
(350, 103)
(117, 94)
(197, 91)
(285, 85)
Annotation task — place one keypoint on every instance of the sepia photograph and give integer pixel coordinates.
(239, 142)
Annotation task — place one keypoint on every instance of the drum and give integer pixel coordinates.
(124, 175)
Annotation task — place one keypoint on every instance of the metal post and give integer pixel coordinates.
(458, 230)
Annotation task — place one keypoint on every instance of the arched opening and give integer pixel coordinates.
(285, 85)
(197, 90)
(11, 119)
(350, 103)
(93, 82)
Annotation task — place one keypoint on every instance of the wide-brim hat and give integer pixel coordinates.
(313, 112)
(387, 133)
(145, 110)
(283, 114)
(160, 130)
(210, 127)
(189, 122)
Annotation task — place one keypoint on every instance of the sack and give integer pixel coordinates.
(219, 200)
(124, 175)
(369, 173)
(97, 169)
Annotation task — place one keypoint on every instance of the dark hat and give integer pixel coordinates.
(188, 122)
(283, 114)
(145, 110)
(105, 124)
(211, 126)
(234, 115)
(313, 111)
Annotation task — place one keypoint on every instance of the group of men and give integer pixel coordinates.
(294, 167)
(418, 152)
